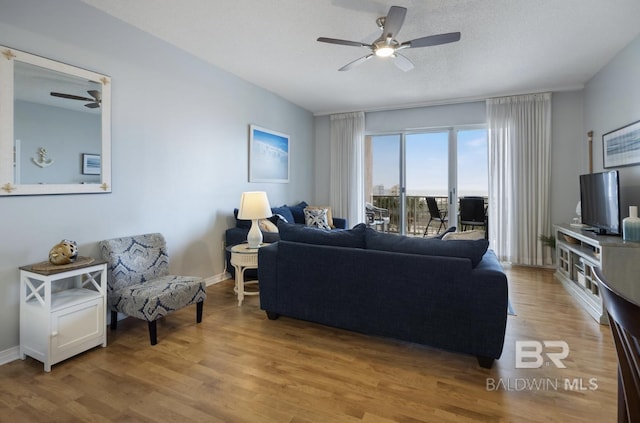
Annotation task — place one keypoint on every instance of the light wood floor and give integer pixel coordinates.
(237, 366)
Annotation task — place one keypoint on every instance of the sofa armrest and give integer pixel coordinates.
(340, 223)
(235, 236)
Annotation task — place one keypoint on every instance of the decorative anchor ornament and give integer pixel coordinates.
(42, 161)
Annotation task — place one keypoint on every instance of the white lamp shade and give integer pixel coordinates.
(254, 205)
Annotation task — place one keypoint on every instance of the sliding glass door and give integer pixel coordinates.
(427, 175)
(383, 177)
(472, 163)
(403, 169)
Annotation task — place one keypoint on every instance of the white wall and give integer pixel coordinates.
(612, 100)
(569, 142)
(460, 114)
(180, 148)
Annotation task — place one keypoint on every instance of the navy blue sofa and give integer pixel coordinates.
(450, 295)
(293, 214)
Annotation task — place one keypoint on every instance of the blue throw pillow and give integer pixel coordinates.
(353, 238)
(472, 249)
(285, 212)
(298, 212)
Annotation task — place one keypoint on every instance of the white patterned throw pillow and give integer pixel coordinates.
(316, 218)
(329, 215)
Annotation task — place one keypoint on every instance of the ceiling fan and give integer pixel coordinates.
(93, 102)
(387, 45)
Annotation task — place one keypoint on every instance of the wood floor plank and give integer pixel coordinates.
(238, 366)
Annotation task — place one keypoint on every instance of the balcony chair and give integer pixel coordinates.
(624, 320)
(377, 217)
(472, 213)
(436, 214)
(139, 284)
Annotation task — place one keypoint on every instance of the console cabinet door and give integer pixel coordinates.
(74, 327)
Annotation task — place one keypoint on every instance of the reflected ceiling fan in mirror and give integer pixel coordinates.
(93, 102)
(387, 45)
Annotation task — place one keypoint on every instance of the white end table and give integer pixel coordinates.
(243, 258)
(62, 309)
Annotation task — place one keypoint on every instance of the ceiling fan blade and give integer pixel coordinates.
(343, 42)
(71, 96)
(393, 22)
(356, 62)
(95, 94)
(432, 40)
(402, 62)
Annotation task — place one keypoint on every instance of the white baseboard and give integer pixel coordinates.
(211, 280)
(9, 355)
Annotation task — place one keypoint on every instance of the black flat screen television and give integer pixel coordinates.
(600, 202)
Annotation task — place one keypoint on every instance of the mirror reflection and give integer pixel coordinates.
(67, 111)
(54, 127)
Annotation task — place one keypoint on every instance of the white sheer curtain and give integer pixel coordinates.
(347, 166)
(519, 176)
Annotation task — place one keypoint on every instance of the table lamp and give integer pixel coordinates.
(254, 206)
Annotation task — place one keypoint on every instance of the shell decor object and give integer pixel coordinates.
(64, 252)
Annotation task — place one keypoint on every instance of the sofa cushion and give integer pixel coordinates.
(353, 238)
(471, 249)
(297, 212)
(316, 218)
(285, 212)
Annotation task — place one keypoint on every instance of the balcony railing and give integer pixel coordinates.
(417, 213)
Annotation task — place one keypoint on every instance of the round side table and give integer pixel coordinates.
(243, 258)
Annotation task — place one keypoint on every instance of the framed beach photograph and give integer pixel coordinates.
(268, 155)
(622, 146)
(91, 164)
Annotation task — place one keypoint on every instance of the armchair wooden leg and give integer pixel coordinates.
(199, 305)
(114, 320)
(153, 334)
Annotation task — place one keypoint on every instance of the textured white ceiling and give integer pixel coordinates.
(507, 46)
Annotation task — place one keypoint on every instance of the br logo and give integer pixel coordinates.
(530, 354)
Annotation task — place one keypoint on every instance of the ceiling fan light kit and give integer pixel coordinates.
(383, 49)
(387, 45)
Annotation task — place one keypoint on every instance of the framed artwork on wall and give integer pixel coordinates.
(91, 164)
(621, 147)
(268, 155)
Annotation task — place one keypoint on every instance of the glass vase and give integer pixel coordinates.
(631, 225)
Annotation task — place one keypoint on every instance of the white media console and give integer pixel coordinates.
(579, 251)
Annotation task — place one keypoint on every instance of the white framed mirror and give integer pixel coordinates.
(55, 127)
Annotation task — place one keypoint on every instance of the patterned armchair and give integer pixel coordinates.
(139, 284)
